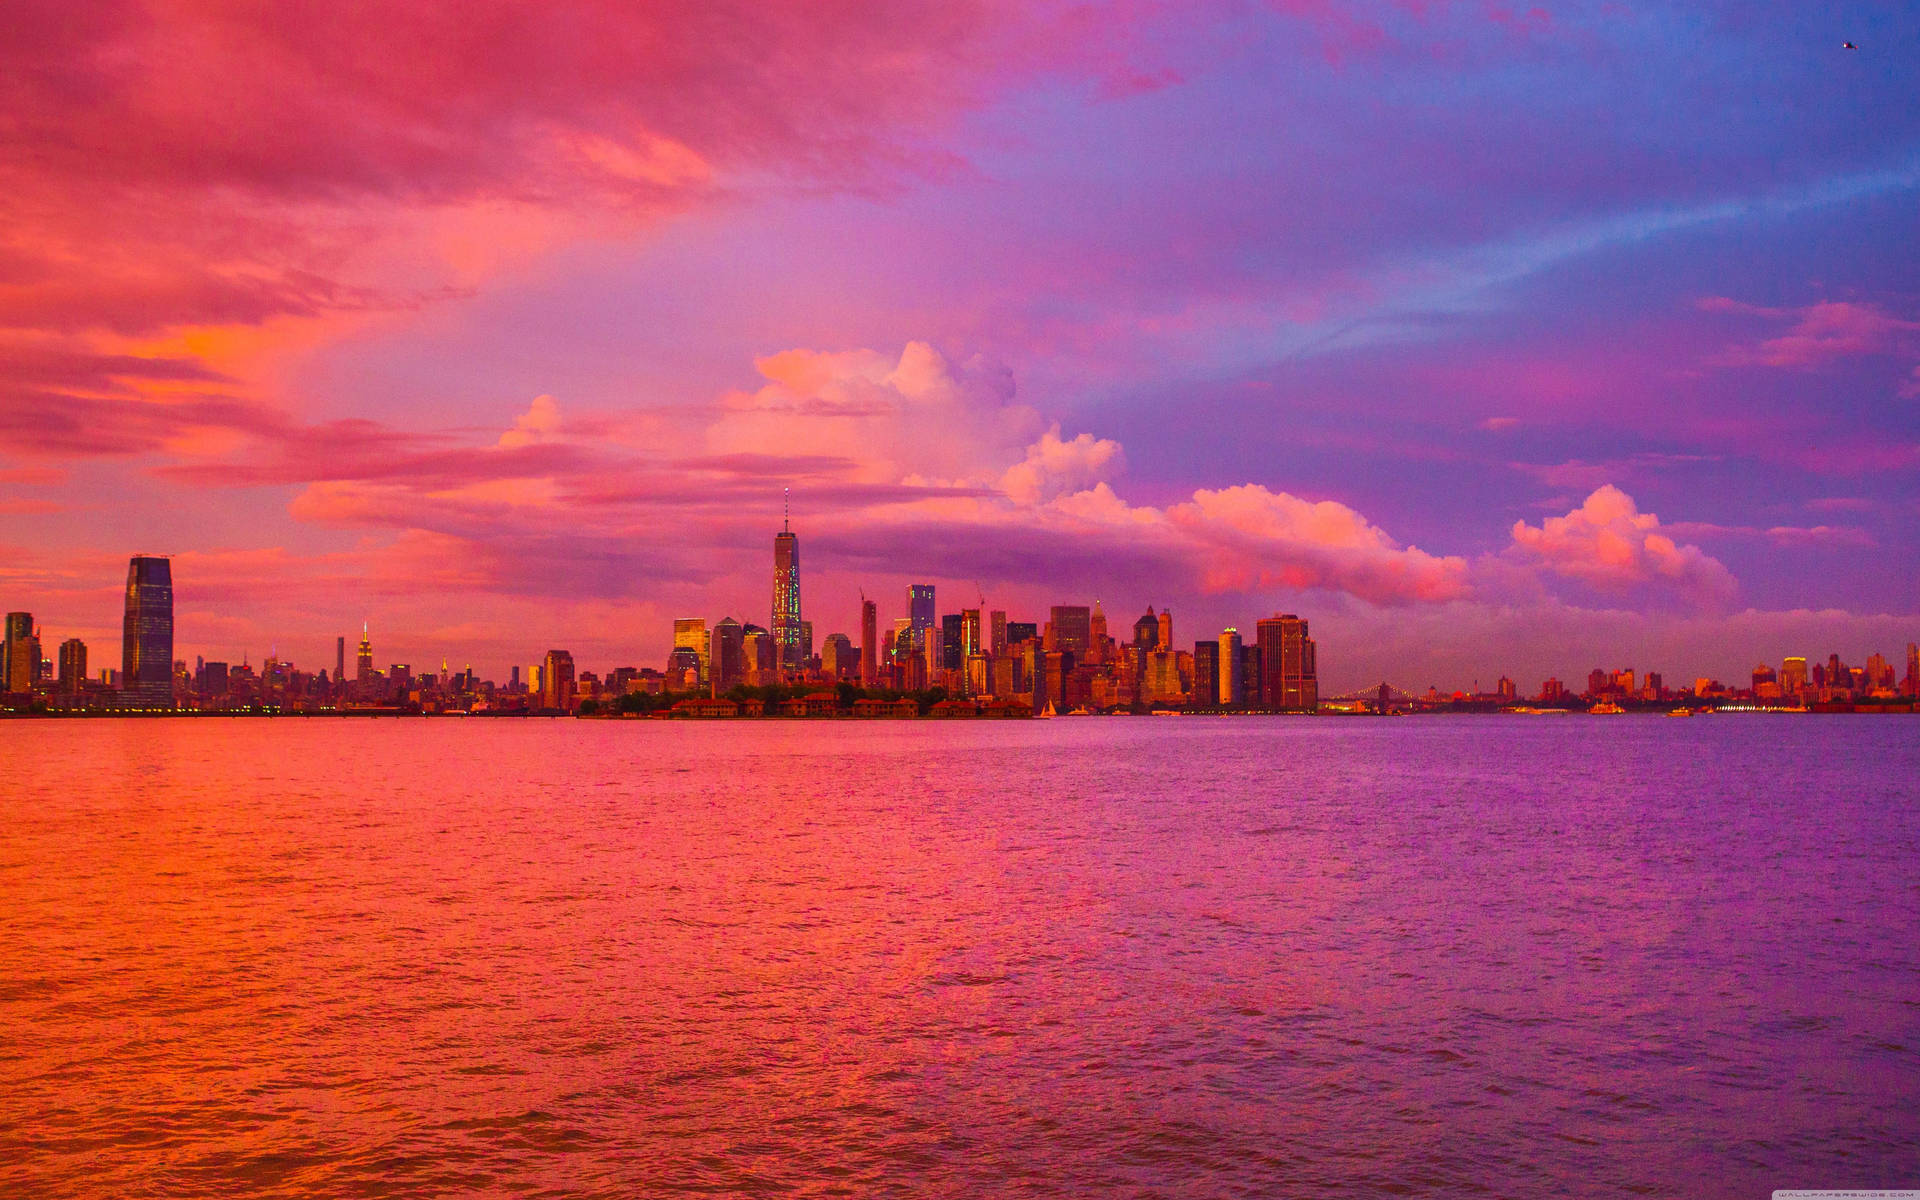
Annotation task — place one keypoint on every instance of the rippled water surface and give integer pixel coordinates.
(1447, 956)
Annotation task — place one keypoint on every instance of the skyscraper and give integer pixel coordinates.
(146, 647)
(1206, 674)
(73, 665)
(365, 665)
(997, 632)
(1230, 657)
(1146, 631)
(837, 658)
(920, 605)
(340, 660)
(690, 633)
(556, 681)
(1072, 630)
(953, 641)
(969, 632)
(1288, 673)
(19, 654)
(869, 643)
(725, 666)
(789, 653)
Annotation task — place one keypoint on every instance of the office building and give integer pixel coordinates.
(869, 643)
(1288, 676)
(146, 648)
(73, 665)
(19, 654)
(1206, 674)
(557, 681)
(690, 633)
(920, 605)
(1070, 630)
(1229, 654)
(790, 650)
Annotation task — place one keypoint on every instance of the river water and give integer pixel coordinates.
(1472, 956)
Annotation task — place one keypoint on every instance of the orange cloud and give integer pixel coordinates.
(1609, 543)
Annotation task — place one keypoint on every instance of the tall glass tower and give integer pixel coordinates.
(789, 651)
(920, 605)
(146, 646)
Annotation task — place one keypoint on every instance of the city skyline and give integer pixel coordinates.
(1356, 309)
(975, 653)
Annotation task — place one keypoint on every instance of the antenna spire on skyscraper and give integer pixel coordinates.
(786, 509)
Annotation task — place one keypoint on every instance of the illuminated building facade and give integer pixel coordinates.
(557, 682)
(146, 648)
(1229, 655)
(690, 633)
(920, 605)
(790, 653)
(1288, 676)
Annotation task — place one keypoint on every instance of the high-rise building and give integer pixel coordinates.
(683, 669)
(1146, 631)
(1166, 629)
(146, 648)
(690, 633)
(1249, 672)
(1793, 676)
(339, 659)
(920, 605)
(73, 665)
(997, 632)
(1288, 673)
(1072, 630)
(756, 655)
(1206, 674)
(364, 663)
(1912, 680)
(1021, 631)
(21, 654)
(556, 681)
(837, 657)
(789, 652)
(969, 632)
(726, 666)
(1230, 655)
(952, 641)
(1097, 635)
(869, 643)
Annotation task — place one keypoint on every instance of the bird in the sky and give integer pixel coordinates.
(1848, 46)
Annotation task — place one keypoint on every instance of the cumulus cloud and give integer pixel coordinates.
(917, 416)
(1055, 466)
(1816, 333)
(539, 423)
(1255, 538)
(1610, 544)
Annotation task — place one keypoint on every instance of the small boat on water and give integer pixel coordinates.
(1606, 708)
(1681, 712)
(1046, 714)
